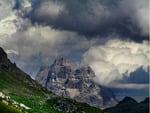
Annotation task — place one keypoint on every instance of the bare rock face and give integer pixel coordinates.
(67, 79)
(4, 61)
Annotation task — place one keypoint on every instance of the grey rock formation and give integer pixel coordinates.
(67, 79)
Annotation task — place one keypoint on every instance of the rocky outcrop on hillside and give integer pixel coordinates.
(8, 101)
(68, 79)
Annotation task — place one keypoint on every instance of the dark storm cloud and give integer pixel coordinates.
(97, 17)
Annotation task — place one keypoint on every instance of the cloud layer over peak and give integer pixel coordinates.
(117, 59)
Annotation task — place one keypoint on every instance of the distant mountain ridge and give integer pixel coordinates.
(127, 100)
(67, 79)
(129, 105)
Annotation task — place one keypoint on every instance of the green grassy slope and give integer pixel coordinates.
(22, 92)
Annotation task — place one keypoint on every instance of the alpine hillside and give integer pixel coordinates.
(19, 93)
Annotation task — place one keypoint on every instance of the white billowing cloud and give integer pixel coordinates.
(6, 7)
(11, 20)
(38, 39)
(117, 59)
(6, 17)
(50, 9)
(10, 24)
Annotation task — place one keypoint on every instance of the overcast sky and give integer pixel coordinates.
(109, 35)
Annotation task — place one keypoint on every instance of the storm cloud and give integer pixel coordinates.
(97, 17)
(32, 46)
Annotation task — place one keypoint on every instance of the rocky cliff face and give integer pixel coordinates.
(67, 79)
(4, 62)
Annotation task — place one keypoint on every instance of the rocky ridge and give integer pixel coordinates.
(129, 105)
(67, 79)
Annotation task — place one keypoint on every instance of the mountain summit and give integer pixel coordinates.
(70, 80)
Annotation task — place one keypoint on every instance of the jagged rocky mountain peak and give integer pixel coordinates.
(62, 64)
(68, 79)
(62, 61)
